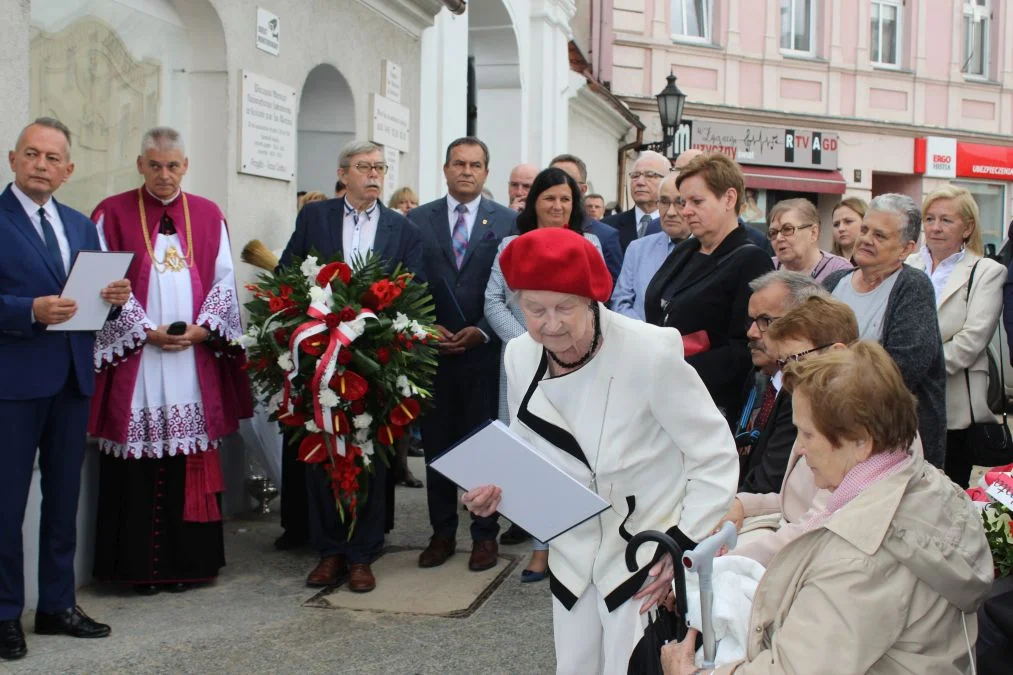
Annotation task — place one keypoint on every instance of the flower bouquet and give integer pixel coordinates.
(342, 356)
(994, 496)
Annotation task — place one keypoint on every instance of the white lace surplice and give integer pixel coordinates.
(166, 412)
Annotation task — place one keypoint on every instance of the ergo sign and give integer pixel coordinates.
(946, 158)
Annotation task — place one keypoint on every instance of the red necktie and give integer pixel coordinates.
(766, 407)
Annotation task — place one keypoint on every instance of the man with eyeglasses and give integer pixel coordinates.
(645, 256)
(764, 432)
(462, 232)
(645, 186)
(521, 177)
(354, 227)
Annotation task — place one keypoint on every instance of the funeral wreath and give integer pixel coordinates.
(343, 357)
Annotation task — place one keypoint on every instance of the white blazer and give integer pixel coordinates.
(967, 326)
(637, 425)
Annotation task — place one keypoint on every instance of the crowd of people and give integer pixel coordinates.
(690, 368)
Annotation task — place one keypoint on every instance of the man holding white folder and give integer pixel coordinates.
(47, 384)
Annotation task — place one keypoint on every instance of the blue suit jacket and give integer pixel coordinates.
(611, 249)
(319, 227)
(492, 223)
(35, 362)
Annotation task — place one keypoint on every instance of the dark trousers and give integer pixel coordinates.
(462, 400)
(328, 535)
(959, 457)
(56, 426)
(294, 516)
(994, 648)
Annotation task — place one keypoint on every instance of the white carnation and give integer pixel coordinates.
(320, 296)
(367, 448)
(361, 436)
(366, 459)
(312, 427)
(285, 362)
(401, 323)
(404, 386)
(362, 421)
(245, 341)
(310, 268)
(328, 399)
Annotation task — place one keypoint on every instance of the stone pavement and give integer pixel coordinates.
(254, 620)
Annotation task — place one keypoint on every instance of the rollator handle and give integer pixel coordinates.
(701, 561)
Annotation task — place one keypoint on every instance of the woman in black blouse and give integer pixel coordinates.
(702, 289)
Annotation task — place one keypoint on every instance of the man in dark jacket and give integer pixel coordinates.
(764, 431)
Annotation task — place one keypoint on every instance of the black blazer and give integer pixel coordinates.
(626, 223)
(319, 228)
(492, 223)
(765, 465)
(716, 301)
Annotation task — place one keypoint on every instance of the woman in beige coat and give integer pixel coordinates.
(886, 579)
(967, 321)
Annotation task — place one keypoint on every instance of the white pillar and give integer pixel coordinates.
(443, 93)
(548, 80)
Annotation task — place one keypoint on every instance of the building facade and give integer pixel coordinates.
(822, 98)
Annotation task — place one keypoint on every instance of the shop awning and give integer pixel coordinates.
(796, 180)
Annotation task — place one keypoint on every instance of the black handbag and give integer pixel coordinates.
(991, 443)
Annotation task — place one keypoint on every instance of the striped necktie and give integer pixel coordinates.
(459, 236)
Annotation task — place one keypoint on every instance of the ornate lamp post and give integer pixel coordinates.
(671, 101)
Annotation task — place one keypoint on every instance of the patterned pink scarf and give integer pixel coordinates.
(861, 476)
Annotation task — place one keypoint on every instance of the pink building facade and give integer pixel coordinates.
(826, 98)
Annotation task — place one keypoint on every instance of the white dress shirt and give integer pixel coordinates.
(52, 215)
(469, 217)
(941, 274)
(359, 231)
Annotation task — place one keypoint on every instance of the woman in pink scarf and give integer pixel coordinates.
(884, 577)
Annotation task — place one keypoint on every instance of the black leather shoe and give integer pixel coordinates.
(288, 541)
(73, 622)
(12, 640)
(514, 535)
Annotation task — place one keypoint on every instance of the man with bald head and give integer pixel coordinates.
(645, 184)
(521, 178)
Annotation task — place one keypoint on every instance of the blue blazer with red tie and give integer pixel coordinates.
(35, 362)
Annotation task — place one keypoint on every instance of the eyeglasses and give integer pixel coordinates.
(664, 202)
(787, 231)
(366, 167)
(795, 358)
(762, 322)
(650, 175)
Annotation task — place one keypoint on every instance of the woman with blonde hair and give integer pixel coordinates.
(794, 231)
(968, 290)
(847, 225)
(404, 200)
(890, 568)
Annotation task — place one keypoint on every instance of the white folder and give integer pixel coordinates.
(92, 271)
(537, 495)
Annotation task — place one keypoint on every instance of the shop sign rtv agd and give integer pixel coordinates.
(768, 146)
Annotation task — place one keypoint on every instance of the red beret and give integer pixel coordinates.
(556, 259)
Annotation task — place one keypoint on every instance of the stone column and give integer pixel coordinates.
(547, 81)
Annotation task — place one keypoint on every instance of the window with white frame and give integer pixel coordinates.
(977, 23)
(691, 20)
(798, 26)
(884, 39)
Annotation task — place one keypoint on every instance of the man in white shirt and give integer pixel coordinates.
(645, 186)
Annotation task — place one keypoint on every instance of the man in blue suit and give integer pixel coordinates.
(608, 237)
(352, 226)
(47, 382)
(462, 232)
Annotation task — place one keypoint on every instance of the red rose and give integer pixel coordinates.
(332, 271)
(348, 314)
(285, 290)
(345, 357)
(383, 355)
(276, 304)
(332, 320)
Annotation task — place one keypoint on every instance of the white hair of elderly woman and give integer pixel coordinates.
(905, 207)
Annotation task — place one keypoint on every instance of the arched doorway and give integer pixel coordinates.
(326, 123)
(498, 94)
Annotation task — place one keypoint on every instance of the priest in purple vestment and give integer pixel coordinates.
(170, 386)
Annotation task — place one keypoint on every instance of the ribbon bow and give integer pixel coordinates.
(339, 335)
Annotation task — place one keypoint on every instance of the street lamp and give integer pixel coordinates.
(671, 102)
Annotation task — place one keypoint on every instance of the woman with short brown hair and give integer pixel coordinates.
(793, 228)
(889, 570)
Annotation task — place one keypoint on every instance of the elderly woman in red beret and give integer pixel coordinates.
(611, 401)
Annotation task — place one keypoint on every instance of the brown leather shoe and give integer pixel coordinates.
(328, 572)
(484, 555)
(439, 549)
(360, 578)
